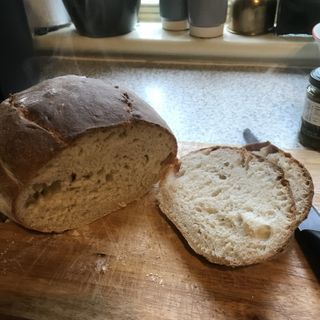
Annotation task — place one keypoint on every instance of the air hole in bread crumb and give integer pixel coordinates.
(263, 232)
(55, 186)
(42, 190)
(222, 177)
(88, 175)
(100, 171)
(38, 187)
(123, 134)
(226, 164)
(216, 193)
(102, 255)
(180, 173)
(73, 177)
(108, 177)
(211, 210)
(146, 157)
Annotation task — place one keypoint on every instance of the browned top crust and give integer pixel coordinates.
(37, 123)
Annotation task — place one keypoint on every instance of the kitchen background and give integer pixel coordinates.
(134, 264)
(207, 89)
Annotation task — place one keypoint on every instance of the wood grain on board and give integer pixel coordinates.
(134, 264)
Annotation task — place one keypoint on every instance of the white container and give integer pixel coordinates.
(46, 14)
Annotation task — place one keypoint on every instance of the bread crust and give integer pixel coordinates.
(270, 149)
(38, 123)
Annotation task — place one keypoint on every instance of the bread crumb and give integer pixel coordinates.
(75, 233)
(155, 278)
(101, 265)
(122, 204)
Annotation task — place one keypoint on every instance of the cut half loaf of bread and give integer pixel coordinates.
(73, 149)
(298, 176)
(232, 207)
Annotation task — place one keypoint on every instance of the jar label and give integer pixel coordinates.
(311, 112)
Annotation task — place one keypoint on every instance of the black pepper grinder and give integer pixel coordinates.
(18, 68)
(310, 123)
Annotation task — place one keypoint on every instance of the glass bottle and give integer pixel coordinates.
(310, 125)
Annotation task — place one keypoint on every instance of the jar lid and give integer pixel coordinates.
(314, 78)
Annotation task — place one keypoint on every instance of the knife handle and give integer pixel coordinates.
(309, 241)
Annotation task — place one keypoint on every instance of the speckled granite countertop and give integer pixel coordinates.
(208, 104)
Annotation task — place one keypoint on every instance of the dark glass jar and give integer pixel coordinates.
(310, 126)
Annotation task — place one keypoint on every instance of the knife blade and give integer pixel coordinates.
(249, 137)
(308, 232)
(308, 238)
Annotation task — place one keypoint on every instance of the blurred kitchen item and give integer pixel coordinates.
(297, 16)
(174, 14)
(207, 17)
(18, 68)
(103, 18)
(46, 15)
(316, 33)
(310, 122)
(252, 17)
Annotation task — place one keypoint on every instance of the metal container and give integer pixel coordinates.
(310, 122)
(252, 17)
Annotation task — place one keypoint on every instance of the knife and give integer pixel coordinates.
(308, 232)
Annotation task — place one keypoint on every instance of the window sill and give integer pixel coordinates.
(150, 42)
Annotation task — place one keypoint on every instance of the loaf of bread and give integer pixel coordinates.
(73, 149)
(232, 207)
(298, 176)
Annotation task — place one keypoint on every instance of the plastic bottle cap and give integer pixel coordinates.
(314, 78)
(207, 32)
(177, 25)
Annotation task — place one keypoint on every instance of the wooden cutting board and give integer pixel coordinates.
(134, 264)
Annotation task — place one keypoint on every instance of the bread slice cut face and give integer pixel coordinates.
(98, 174)
(298, 176)
(232, 207)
